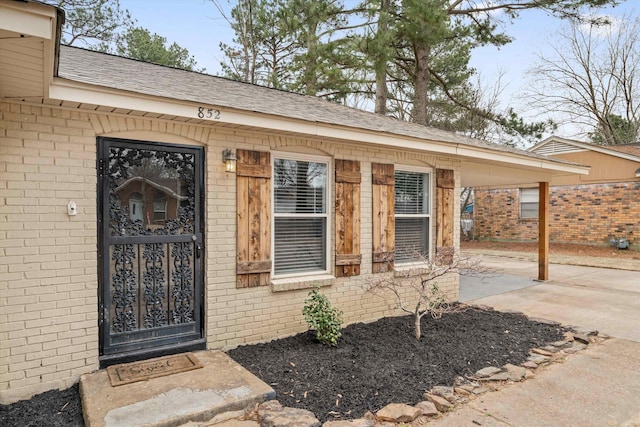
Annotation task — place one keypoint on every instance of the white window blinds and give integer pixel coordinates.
(529, 202)
(412, 215)
(300, 216)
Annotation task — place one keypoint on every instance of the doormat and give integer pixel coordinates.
(127, 373)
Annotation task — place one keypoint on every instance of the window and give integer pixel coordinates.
(159, 207)
(300, 215)
(412, 215)
(529, 202)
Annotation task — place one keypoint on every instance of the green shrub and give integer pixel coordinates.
(321, 317)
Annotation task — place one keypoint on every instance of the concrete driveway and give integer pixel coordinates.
(599, 386)
(593, 298)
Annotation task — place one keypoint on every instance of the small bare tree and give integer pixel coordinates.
(416, 289)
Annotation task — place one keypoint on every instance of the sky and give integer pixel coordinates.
(198, 26)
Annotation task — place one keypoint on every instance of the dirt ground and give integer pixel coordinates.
(554, 248)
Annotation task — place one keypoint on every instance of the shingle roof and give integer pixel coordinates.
(633, 149)
(116, 72)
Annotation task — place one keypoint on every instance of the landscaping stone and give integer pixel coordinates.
(538, 358)
(559, 344)
(480, 390)
(488, 371)
(398, 413)
(529, 364)
(551, 349)
(428, 408)
(469, 387)
(581, 338)
(273, 414)
(462, 391)
(442, 404)
(542, 352)
(568, 336)
(515, 373)
(444, 391)
(501, 376)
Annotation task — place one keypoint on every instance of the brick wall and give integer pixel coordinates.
(48, 260)
(48, 281)
(590, 214)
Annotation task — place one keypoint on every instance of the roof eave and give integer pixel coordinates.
(66, 90)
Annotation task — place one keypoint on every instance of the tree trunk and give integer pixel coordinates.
(416, 326)
(421, 84)
(381, 62)
(311, 77)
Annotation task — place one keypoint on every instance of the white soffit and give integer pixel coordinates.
(476, 174)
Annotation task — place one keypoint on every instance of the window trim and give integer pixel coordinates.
(537, 212)
(327, 215)
(430, 215)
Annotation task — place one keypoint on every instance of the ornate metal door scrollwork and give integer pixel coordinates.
(151, 222)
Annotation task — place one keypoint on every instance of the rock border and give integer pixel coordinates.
(437, 402)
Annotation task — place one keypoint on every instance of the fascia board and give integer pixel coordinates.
(31, 19)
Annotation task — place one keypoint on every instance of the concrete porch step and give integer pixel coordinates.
(199, 395)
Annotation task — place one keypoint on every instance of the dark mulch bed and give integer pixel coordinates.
(374, 364)
(55, 408)
(380, 363)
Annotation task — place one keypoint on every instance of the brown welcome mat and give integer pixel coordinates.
(127, 373)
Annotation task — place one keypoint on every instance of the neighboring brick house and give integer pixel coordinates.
(589, 209)
(124, 236)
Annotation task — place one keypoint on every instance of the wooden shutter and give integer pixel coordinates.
(445, 184)
(253, 178)
(348, 255)
(383, 183)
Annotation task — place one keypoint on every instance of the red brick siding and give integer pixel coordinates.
(579, 214)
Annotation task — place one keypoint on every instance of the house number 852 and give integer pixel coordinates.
(208, 113)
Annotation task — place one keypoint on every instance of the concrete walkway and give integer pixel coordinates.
(597, 387)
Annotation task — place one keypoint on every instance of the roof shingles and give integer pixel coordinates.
(109, 71)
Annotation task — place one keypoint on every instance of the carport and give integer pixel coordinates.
(536, 171)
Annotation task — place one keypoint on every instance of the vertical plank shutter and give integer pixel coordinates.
(348, 255)
(383, 185)
(253, 178)
(445, 184)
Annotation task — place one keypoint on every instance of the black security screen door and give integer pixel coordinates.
(150, 232)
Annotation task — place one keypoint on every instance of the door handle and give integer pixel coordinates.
(198, 250)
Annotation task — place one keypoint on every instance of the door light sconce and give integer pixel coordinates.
(229, 159)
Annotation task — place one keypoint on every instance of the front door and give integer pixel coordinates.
(151, 249)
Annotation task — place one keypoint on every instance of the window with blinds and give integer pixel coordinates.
(412, 215)
(300, 216)
(529, 202)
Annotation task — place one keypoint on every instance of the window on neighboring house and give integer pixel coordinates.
(529, 202)
(159, 207)
(300, 216)
(412, 215)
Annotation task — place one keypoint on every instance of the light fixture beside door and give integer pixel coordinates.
(229, 159)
